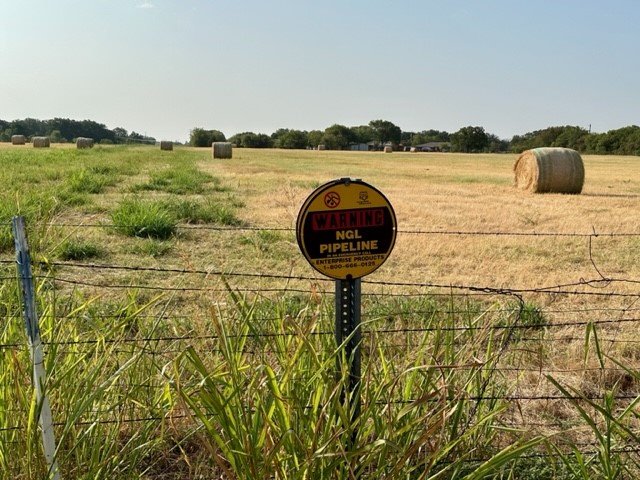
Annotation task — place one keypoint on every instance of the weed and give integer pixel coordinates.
(135, 217)
(151, 248)
(90, 181)
(77, 249)
(179, 181)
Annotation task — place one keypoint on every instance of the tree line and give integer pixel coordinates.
(374, 135)
(63, 130)
(470, 139)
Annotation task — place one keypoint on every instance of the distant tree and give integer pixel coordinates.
(363, 134)
(315, 138)
(622, 141)
(406, 138)
(427, 136)
(120, 134)
(566, 136)
(385, 131)
(572, 137)
(251, 140)
(337, 137)
(288, 138)
(29, 127)
(200, 137)
(496, 145)
(294, 139)
(55, 136)
(5, 131)
(469, 139)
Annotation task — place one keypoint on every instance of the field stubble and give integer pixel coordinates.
(427, 194)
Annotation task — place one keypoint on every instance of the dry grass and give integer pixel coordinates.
(459, 193)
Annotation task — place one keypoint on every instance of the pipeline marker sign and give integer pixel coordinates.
(346, 229)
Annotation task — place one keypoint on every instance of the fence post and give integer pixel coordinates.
(23, 261)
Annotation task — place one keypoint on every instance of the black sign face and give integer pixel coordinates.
(346, 229)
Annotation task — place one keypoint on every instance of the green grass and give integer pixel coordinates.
(151, 248)
(136, 217)
(201, 211)
(78, 249)
(262, 392)
(182, 180)
(91, 180)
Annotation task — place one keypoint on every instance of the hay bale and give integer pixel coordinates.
(222, 150)
(322, 147)
(166, 145)
(388, 149)
(84, 142)
(541, 170)
(18, 140)
(41, 142)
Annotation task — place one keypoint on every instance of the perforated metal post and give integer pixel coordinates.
(348, 330)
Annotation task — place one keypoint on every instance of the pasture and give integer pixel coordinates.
(187, 337)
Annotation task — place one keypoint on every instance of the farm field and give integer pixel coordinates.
(187, 337)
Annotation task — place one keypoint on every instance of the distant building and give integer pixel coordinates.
(360, 147)
(431, 147)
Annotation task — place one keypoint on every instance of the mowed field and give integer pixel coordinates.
(490, 295)
(460, 219)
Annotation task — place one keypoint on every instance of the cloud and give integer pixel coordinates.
(145, 5)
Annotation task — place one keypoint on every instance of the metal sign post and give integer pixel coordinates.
(346, 229)
(348, 330)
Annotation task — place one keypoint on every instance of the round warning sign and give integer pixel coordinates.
(346, 229)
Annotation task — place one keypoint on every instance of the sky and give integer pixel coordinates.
(164, 67)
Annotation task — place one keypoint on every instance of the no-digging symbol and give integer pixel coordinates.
(346, 229)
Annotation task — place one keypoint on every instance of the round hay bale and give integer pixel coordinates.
(222, 150)
(166, 145)
(84, 142)
(558, 170)
(388, 149)
(41, 142)
(18, 140)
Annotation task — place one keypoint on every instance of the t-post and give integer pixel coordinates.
(348, 335)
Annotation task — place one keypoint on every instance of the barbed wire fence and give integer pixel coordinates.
(608, 305)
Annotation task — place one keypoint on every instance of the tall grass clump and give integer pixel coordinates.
(180, 180)
(90, 180)
(151, 247)
(609, 417)
(136, 217)
(78, 249)
(198, 212)
(37, 206)
(274, 405)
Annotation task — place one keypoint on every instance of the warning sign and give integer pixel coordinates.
(346, 229)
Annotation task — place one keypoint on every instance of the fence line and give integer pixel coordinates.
(374, 324)
(410, 231)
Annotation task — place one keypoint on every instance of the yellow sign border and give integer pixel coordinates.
(354, 197)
